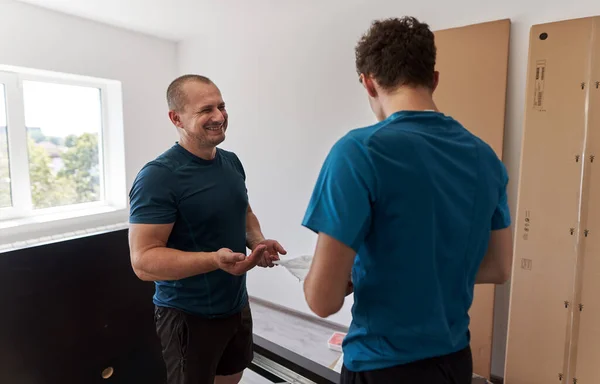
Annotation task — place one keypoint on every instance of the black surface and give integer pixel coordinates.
(266, 374)
(70, 309)
(295, 362)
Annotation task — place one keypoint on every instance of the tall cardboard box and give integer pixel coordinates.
(473, 66)
(553, 235)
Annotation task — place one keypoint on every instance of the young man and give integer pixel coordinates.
(190, 226)
(412, 211)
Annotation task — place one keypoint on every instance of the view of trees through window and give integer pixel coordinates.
(63, 145)
(63, 170)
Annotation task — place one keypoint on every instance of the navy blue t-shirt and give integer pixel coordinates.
(416, 197)
(207, 201)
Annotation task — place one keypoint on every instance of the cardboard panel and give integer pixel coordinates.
(546, 225)
(473, 66)
(585, 353)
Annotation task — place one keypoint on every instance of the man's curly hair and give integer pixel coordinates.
(397, 52)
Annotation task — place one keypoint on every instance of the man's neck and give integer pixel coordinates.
(407, 99)
(206, 153)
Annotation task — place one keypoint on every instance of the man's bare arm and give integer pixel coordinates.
(497, 263)
(327, 282)
(152, 260)
(254, 235)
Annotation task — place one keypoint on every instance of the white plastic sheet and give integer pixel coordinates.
(297, 266)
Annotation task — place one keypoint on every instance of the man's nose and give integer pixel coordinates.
(218, 116)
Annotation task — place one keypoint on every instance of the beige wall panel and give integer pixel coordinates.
(473, 66)
(542, 293)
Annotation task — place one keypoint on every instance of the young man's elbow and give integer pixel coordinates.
(506, 267)
(499, 274)
(322, 305)
(323, 310)
(504, 275)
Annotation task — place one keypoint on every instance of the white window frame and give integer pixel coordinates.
(18, 159)
(21, 219)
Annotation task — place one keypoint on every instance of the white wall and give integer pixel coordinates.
(41, 39)
(291, 90)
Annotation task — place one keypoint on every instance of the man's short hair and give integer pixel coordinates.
(176, 97)
(397, 52)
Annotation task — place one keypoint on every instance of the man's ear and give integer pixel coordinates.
(175, 119)
(436, 80)
(369, 85)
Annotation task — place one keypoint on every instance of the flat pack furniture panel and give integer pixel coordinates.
(473, 66)
(585, 352)
(548, 235)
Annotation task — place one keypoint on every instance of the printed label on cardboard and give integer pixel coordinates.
(526, 264)
(540, 81)
(526, 225)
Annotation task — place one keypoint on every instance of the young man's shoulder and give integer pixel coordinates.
(356, 144)
(404, 124)
(357, 137)
(487, 153)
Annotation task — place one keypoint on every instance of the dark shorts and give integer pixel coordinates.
(456, 368)
(196, 349)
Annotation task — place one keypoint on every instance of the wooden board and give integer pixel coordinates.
(547, 222)
(585, 352)
(473, 66)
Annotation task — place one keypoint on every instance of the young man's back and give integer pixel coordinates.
(424, 194)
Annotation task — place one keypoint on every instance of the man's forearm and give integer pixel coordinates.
(168, 264)
(253, 232)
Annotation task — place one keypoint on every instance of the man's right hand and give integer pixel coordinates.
(237, 263)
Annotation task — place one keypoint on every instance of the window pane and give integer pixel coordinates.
(5, 194)
(63, 125)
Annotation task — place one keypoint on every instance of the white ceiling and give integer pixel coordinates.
(178, 19)
(169, 19)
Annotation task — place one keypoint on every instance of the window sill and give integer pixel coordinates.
(56, 225)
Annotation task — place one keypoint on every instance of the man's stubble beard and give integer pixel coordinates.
(213, 142)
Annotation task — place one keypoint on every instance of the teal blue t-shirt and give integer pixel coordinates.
(416, 197)
(207, 201)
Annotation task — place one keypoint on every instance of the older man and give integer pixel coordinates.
(190, 225)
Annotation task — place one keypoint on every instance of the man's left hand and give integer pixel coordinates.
(271, 254)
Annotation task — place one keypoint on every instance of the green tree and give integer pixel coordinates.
(36, 134)
(81, 166)
(47, 190)
(77, 182)
(70, 141)
(58, 141)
